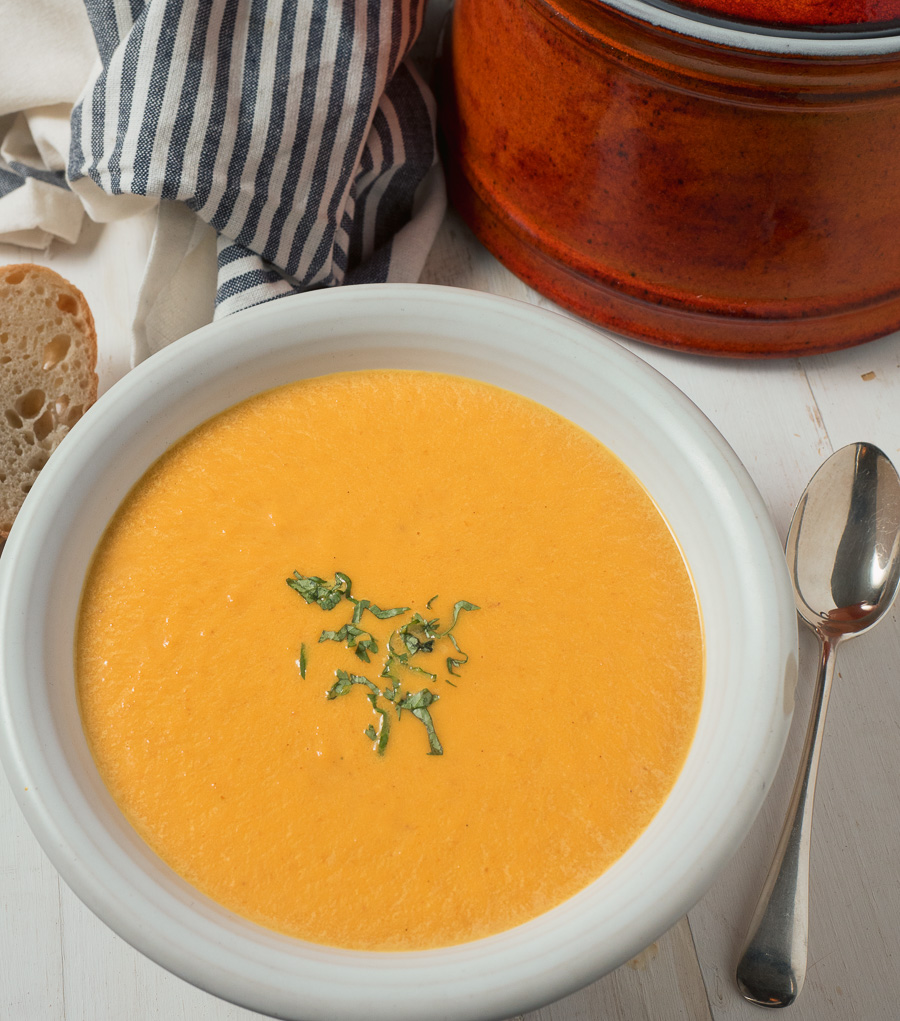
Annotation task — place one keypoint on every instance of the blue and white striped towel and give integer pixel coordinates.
(297, 129)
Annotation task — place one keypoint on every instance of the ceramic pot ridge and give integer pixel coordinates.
(720, 190)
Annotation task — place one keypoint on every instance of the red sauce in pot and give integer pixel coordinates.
(809, 13)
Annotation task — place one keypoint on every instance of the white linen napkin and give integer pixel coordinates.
(288, 144)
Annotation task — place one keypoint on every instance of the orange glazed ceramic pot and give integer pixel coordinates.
(729, 187)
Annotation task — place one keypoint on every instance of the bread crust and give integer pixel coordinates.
(48, 374)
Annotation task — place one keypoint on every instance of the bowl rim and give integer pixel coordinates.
(192, 937)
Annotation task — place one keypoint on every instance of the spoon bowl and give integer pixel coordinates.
(843, 543)
(843, 552)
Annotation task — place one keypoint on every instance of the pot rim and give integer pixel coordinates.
(791, 41)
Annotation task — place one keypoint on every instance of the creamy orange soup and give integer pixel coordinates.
(562, 722)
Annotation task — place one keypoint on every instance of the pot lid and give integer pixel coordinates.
(866, 14)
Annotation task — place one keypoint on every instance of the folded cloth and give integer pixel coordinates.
(47, 53)
(297, 130)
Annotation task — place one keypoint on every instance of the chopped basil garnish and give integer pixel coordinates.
(416, 636)
(317, 590)
(352, 635)
(418, 705)
(461, 605)
(385, 725)
(363, 604)
(346, 681)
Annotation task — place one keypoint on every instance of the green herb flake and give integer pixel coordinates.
(345, 682)
(385, 724)
(452, 664)
(461, 605)
(317, 590)
(341, 686)
(418, 634)
(418, 705)
(363, 604)
(361, 641)
(392, 694)
(303, 660)
(364, 647)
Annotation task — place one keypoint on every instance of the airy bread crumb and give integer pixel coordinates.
(48, 377)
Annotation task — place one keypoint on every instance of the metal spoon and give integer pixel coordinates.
(843, 551)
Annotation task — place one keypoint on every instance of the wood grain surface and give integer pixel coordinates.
(59, 963)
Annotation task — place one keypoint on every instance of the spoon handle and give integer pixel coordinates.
(773, 962)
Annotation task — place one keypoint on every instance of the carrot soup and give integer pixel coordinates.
(389, 660)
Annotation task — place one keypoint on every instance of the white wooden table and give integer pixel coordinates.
(59, 963)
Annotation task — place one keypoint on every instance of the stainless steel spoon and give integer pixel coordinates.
(843, 551)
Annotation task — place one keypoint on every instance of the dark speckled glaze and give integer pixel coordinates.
(722, 200)
(804, 12)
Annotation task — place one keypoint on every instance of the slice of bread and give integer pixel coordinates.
(48, 374)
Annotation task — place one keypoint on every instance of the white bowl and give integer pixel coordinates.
(697, 481)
